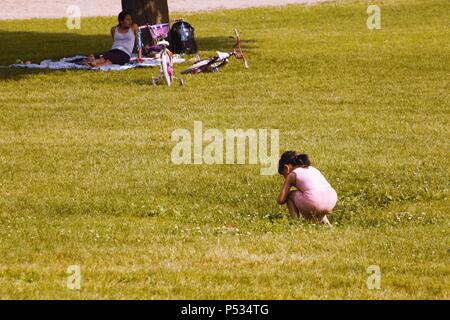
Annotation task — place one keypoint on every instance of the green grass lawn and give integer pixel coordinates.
(86, 177)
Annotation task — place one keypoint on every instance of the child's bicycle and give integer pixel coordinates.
(213, 64)
(159, 32)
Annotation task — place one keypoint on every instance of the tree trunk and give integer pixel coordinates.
(147, 12)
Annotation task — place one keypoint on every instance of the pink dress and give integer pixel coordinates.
(315, 193)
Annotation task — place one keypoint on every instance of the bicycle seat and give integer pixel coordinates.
(222, 55)
(163, 43)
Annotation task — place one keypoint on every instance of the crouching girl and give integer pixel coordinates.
(314, 198)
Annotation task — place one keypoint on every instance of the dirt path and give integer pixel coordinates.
(24, 9)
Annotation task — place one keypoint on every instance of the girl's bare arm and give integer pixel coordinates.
(135, 29)
(286, 187)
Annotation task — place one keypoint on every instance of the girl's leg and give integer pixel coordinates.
(297, 205)
(99, 62)
(307, 215)
(293, 211)
(320, 217)
(326, 221)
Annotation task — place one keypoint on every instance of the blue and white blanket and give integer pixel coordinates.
(74, 63)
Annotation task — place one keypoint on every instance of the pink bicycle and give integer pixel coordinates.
(159, 32)
(213, 64)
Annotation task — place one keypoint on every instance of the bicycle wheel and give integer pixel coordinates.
(165, 60)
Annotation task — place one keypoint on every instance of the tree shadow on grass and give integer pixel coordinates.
(222, 43)
(39, 46)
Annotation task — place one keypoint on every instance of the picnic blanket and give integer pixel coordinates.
(75, 63)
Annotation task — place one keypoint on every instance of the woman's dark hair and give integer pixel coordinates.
(122, 16)
(293, 158)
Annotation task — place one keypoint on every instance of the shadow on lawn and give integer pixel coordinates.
(38, 46)
(222, 44)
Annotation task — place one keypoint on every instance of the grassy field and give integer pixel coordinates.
(86, 177)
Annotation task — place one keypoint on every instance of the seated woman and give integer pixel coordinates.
(124, 35)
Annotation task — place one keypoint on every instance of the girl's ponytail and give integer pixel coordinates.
(302, 160)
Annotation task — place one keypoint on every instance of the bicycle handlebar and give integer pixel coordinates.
(237, 47)
(147, 25)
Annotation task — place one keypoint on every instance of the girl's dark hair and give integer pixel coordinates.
(293, 158)
(122, 16)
